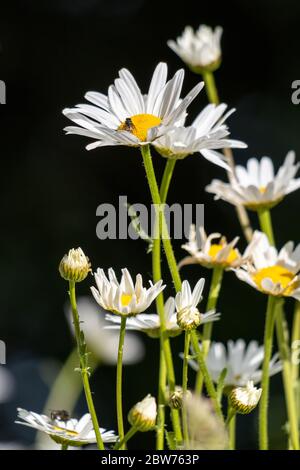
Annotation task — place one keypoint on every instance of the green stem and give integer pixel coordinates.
(295, 358)
(119, 381)
(64, 447)
(147, 159)
(287, 378)
(166, 180)
(265, 222)
(164, 339)
(83, 365)
(206, 376)
(145, 150)
(296, 342)
(164, 349)
(210, 87)
(231, 425)
(232, 432)
(187, 338)
(287, 368)
(162, 380)
(264, 401)
(128, 435)
(157, 275)
(171, 258)
(213, 296)
(231, 413)
(65, 390)
(214, 290)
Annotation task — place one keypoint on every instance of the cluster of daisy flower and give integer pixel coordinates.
(237, 373)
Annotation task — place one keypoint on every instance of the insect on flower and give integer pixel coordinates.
(128, 125)
(61, 415)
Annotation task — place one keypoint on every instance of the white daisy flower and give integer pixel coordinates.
(207, 133)
(149, 323)
(272, 272)
(102, 342)
(199, 49)
(127, 117)
(257, 187)
(68, 431)
(124, 297)
(213, 254)
(242, 362)
(186, 301)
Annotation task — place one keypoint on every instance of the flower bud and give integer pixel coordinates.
(188, 318)
(244, 399)
(143, 415)
(74, 266)
(176, 398)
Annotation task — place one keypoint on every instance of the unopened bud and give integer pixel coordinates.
(176, 399)
(74, 266)
(143, 415)
(244, 399)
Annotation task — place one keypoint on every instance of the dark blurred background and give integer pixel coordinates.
(51, 53)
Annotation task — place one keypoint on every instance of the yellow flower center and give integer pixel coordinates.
(66, 431)
(262, 189)
(139, 124)
(217, 247)
(126, 299)
(277, 274)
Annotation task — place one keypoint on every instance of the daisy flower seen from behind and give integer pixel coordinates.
(124, 298)
(257, 187)
(126, 116)
(207, 134)
(149, 323)
(241, 361)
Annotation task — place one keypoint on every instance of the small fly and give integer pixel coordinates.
(61, 415)
(128, 125)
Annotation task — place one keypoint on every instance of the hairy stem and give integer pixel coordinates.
(213, 296)
(119, 382)
(187, 339)
(264, 401)
(83, 364)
